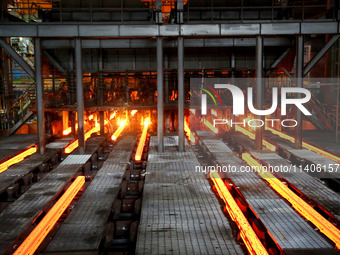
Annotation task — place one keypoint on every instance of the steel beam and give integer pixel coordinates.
(320, 54)
(181, 141)
(138, 43)
(21, 62)
(259, 89)
(299, 84)
(40, 96)
(55, 63)
(279, 59)
(160, 105)
(168, 30)
(80, 96)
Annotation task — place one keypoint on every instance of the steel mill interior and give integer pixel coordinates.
(169, 127)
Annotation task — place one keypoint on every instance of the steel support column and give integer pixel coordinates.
(299, 84)
(233, 66)
(80, 97)
(160, 105)
(180, 94)
(259, 89)
(40, 96)
(101, 92)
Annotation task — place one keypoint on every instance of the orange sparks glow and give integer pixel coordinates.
(142, 139)
(133, 112)
(210, 126)
(122, 125)
(37, 236)
(297, 203)
(308, 146)
(17, 158)
(189, 133)
(248, 235)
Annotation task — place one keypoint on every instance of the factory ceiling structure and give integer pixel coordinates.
(169, 127)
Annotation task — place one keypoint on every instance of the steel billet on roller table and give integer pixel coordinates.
(84, 228)
(19, 216)
(180, 213)
(292, 233)
(20, 175)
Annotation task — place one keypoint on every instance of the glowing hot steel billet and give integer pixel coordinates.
(122, 125)
(16, 159)
(37, 236)
(306, 210)
(308, 146)
(142, 139)
(248, 235)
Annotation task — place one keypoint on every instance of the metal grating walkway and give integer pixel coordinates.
(180, 213)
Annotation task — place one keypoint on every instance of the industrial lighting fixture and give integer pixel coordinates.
(142, 139)
(327, 228)
(17, 158)
(37, 236)
(308, 146)
(247, 233)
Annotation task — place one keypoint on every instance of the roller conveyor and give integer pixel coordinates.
(13, 144)
(20, 214)
(293, 234)
(23, 171)
(82, 231)
(180, 213)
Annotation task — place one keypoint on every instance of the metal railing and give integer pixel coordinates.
(213, 11)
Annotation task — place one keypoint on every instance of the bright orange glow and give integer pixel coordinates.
(112, 115)
(142, 139)
(37, 236)
(308, 146)
(91, 117)
(88, 134)
(298, 204)
(248, 235)
(17, 158)
(69, 130)
(122, 125)
(210, 126)
(133, 112)
(189, 133)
